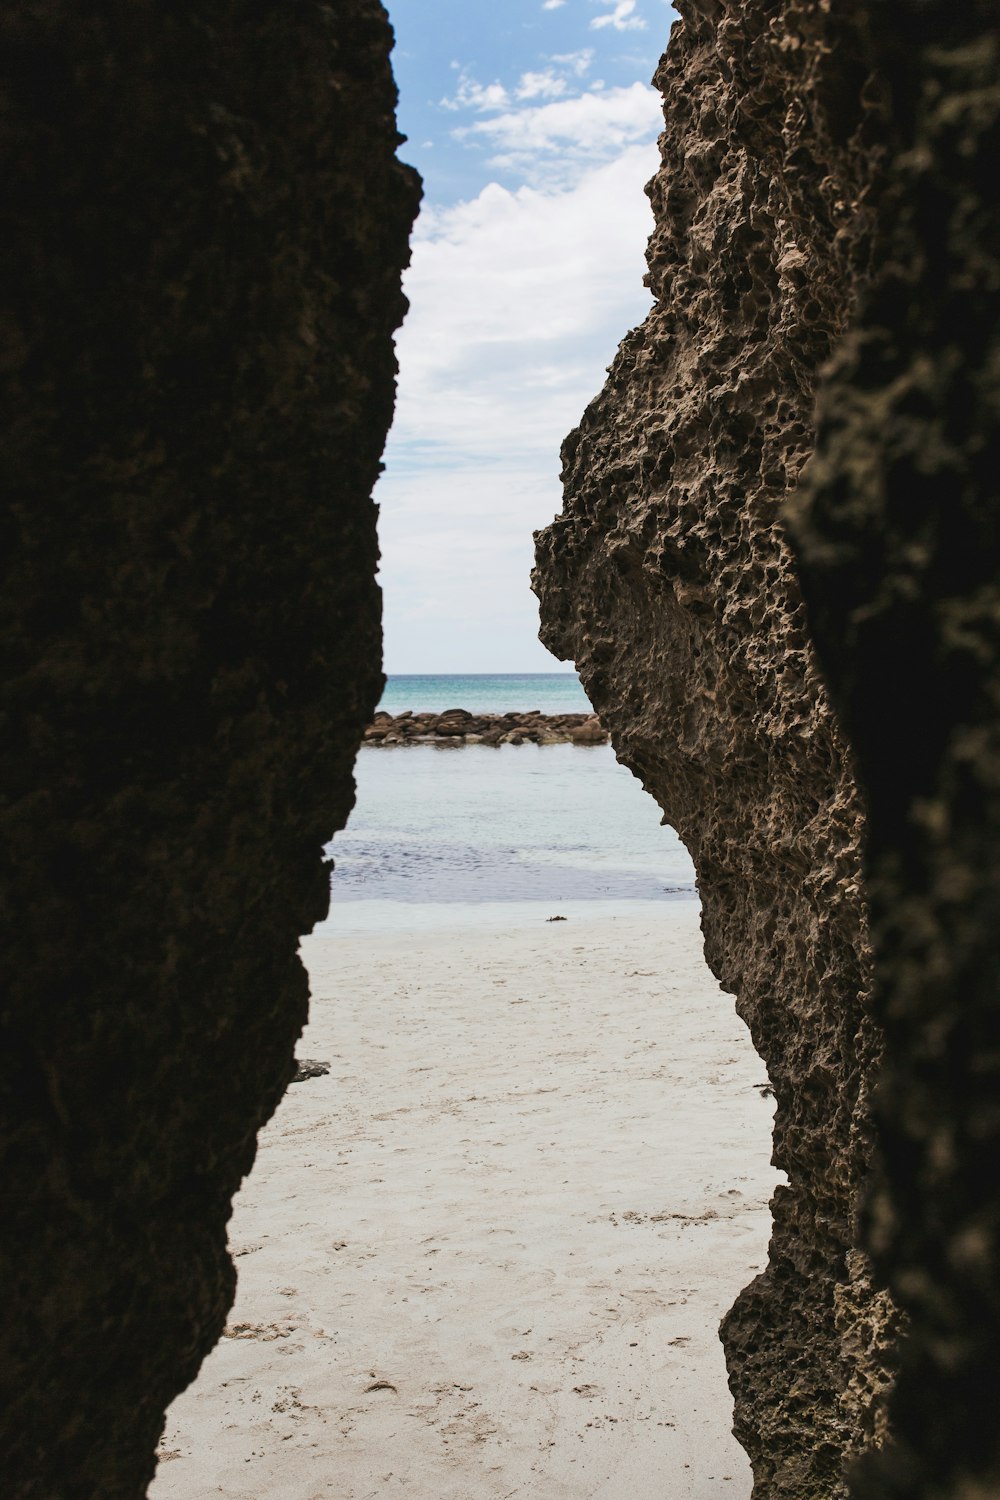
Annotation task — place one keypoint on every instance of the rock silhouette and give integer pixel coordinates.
(897, 530)
(204, 225)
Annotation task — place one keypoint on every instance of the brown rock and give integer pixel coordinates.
(307, 1068)
(588, 733)
(455, 726)
(669, 583)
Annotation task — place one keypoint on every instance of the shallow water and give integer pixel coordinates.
(473, 824)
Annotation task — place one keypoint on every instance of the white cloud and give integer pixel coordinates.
(545, 85)
(549, 144)
(553, 82)
(519, 298)
(576, 62)
(553, 4)
(455, 579)
(518, 301)
(622, 18)
(478, 96)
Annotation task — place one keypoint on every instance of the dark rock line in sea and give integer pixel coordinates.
(459, 726)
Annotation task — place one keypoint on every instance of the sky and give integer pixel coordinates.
(534, 127)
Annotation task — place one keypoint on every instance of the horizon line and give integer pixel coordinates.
(480, 674)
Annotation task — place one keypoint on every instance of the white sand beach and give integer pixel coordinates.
(486, 1255)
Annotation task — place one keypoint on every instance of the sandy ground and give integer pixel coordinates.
(487, 1254)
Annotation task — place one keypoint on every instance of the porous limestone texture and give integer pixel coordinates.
(204, 225)
(898, 533)
(668, 581)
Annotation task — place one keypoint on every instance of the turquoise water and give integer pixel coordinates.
(549, 692)
(462, 828)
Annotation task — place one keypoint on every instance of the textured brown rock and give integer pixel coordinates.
(204, 226)
(668, 581)
(899, 539)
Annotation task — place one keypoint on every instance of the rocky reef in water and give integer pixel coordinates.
(204, 226)
(457, 726)
(669, 581)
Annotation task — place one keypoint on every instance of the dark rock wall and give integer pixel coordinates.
(898, 533)
(204, 227)
(669, 582)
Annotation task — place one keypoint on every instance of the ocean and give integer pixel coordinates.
(446, 834)
(549, 692)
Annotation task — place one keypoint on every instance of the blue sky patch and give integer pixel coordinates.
(534, 127)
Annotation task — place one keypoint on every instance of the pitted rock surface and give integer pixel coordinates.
(204, 225)
(668, 581)
(898, 533)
